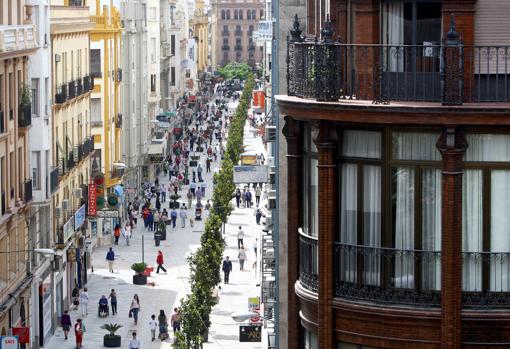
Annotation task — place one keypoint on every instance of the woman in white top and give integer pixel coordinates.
(242, 257)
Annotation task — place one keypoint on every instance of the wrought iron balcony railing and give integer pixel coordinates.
(447, 72)
(61, 95)
(54, 180)
(308, 261)
(27, 191)
(79, 87)
(225, 47)
(72, 89)
(238, 48)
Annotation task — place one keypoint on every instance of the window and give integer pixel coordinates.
(310, 183)
(153, 82)
(238, 42)
(228, 14)
(188, 73)
(152, 13)
(153, 50)
(225, 41)
(95, 62)
(241, 15)
(172, 76)
(309, 340)
(36, 170)
(46, 95)
(248, 14)
(172, 15)
(35, 97)
(223, 14)
(172, 45)
(225, 30)
(11, 97)
(250, 30)
(253, 14)
(236, 15)
(261, 14)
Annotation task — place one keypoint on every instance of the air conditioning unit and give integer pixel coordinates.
(65, 205)
(58, 263)
(58, 211)
(270, 134)
(78, 192)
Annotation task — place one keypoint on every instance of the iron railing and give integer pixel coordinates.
(24, 115)
(447, 72)
(86, 83)
(54, 180)
(88, 146)
(308, 261)
(27, 191)
(225, 47)
(71, 161)
(4, 203)
(72, 89)
(2, 122)
(61, 95)
(79, 87)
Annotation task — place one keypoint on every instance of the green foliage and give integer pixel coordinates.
(235, 70)
(139, 268)
(111, 328)
(25, 95)
(205, 263)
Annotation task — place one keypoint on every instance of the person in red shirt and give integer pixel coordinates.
(116, 234)
(159, 261)
(79, 328)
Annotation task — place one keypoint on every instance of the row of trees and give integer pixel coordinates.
(205, 263)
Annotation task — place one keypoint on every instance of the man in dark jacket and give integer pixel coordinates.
(227, 268)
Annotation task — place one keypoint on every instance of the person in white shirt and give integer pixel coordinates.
(84, 301)
(153, 324)
(240, 237)
(134, 343)
(127, 233)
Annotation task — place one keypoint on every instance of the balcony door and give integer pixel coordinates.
(411, 34)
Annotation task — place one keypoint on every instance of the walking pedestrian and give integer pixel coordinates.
(258, 193)
(84, 302)
(255, 247)
(163, 192)
(127, 233)
(150, 221)
(159, 262)
(227, 268)
(183, 216)
(116, 233)
(242, 257)
(258, 215)
(163, 325)
(113, 301)
(134, 343)
(135, 308)
(199, 172)
(240, 238)
(238, 197)
(192, 187)
(173, 217)
(175, 320)
(153, 324)
(66, 323)
(110, 258)
(79, 329)
(190, 197)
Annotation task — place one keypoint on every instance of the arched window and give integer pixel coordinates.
(222, 14)
(236, 16)
(253, 14)
(241, 15)
(228, 14)
(248, 14)
(261, 13)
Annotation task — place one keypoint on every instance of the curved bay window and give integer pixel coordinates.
(486, 223)
(308, 234)
(389, 242)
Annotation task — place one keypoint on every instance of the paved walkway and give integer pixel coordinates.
(168, 288)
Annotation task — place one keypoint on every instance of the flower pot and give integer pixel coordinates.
(139, 279)
(111, 341)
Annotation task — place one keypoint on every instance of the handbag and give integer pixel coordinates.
(130, 313)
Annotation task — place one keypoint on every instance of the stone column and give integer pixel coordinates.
(452, 146)
(293, 135)
(326, 141)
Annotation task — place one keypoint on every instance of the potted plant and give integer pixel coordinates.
(139, 278)
(25, 106)
(174, 198)
(111, 340)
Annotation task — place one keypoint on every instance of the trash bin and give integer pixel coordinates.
(157, 240)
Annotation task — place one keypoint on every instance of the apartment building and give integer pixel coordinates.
(44, 177)
(199, 25)
(153, 54)
(72, 143)
(136, 123)
(19, 41)
(171, 24)
(233, 24)
(396, 179)
(106, 98)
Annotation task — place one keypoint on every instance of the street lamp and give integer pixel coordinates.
(242, 316)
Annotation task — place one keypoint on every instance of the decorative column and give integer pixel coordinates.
(326, 141)
(452, 146)
(293, 135)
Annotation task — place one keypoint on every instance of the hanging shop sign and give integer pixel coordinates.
(68, 229)
(108, 214)
(9, 342)
(79, 217)
(250, 333)
(250, 174)
(253, 303)
(23, 334)
(92, 200)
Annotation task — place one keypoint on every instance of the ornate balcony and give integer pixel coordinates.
(448, 73)
(72, 89)
(79, 87)
(17, 37)
(308, 262)
(61, 95)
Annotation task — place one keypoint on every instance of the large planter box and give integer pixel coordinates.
(111, 342)
(139, 279)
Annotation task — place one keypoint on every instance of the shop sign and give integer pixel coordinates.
(250, 333)
(108, 214)
(68, 229)
(9, 342)
(92, 200)
(253, 303)
(250, 174)
(79, 217)
(23, 334)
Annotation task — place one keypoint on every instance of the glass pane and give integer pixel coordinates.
(415, 146)
(472, 233)
(306, 198)
(314, 198)
(372, 224)
(361, 144)
(348, 222)
(488, 147)
(500, 226)
(403, 225)
(428, 22)
(431, 229)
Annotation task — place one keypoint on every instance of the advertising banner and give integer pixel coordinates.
(92, 200)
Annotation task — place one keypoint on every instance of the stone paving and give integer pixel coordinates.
(168, 288)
